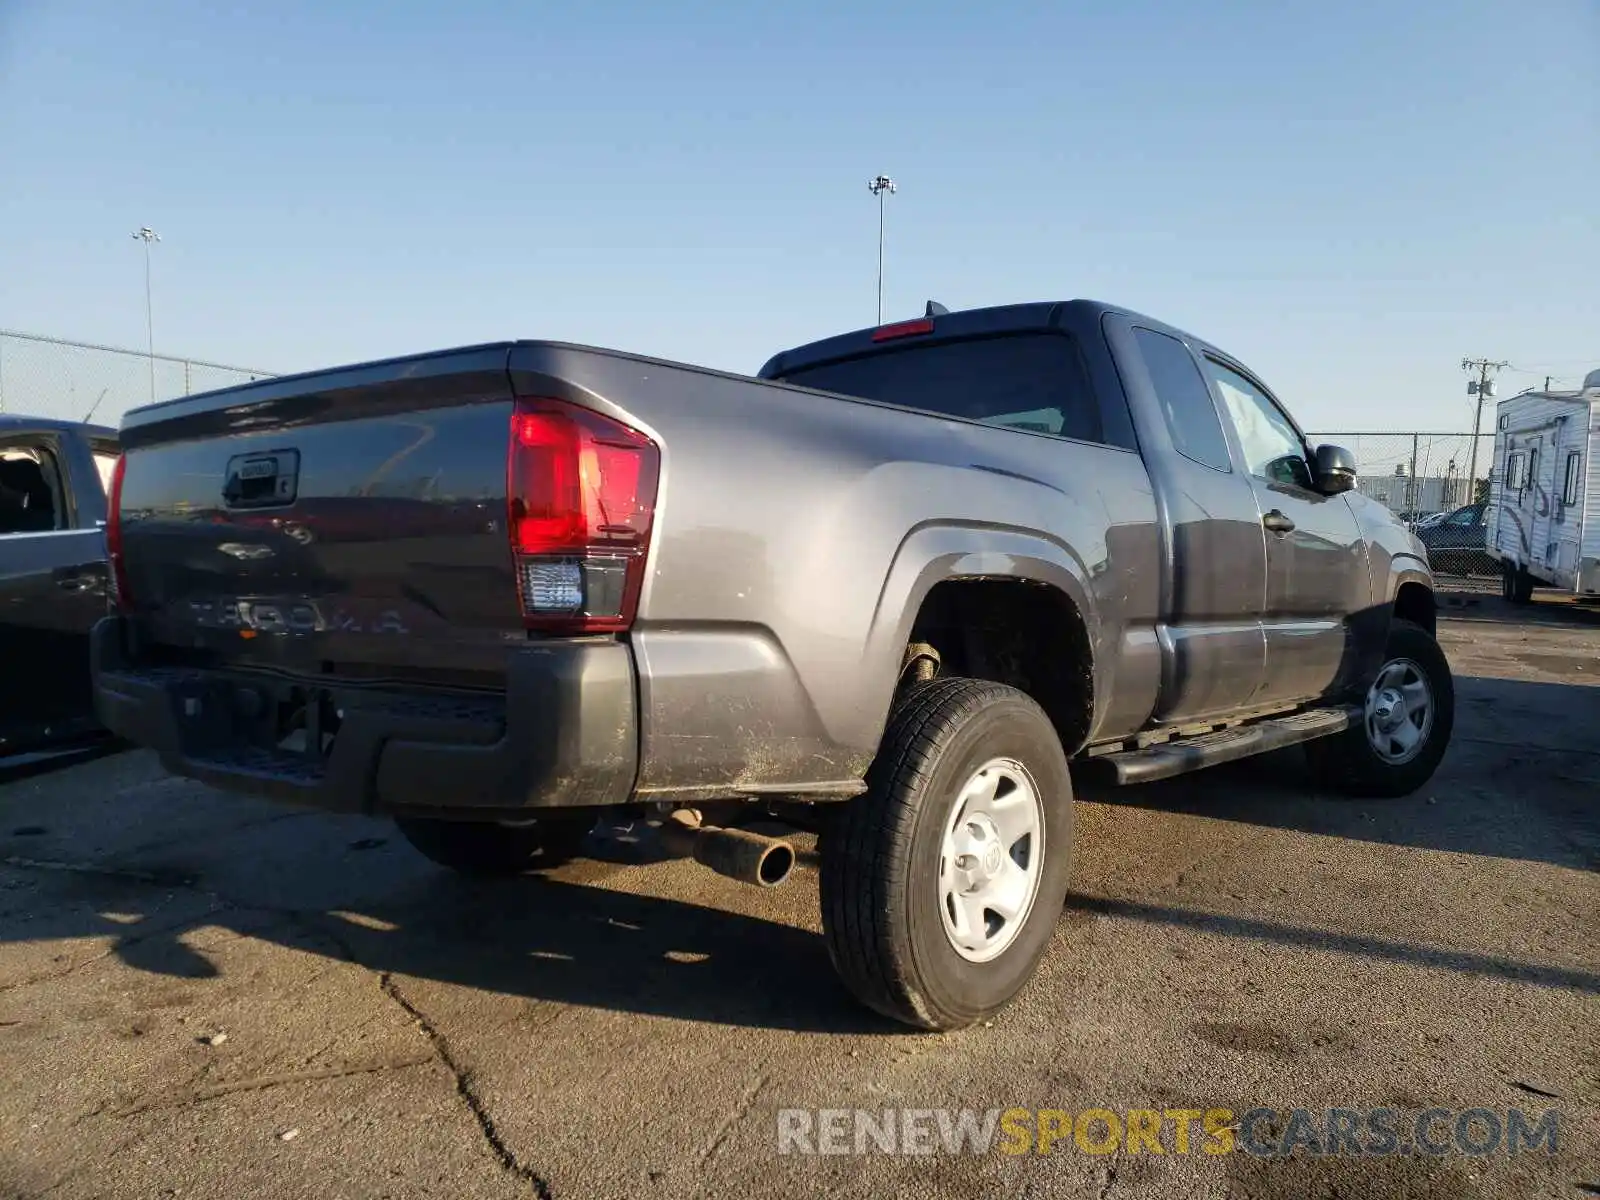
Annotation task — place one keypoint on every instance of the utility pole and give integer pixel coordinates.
(147, 235)
(1482, 387)
(879, 187)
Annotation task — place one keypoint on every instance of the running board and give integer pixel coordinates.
(1182, 755)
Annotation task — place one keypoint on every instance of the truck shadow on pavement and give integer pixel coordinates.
(1519, 781)
(546, 939)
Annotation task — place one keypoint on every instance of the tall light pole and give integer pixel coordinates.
(147, 235)
(879, 187)
(1482, 387)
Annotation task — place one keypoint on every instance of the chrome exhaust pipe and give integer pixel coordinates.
(751, 858)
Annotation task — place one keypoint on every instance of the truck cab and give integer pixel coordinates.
(53, 583)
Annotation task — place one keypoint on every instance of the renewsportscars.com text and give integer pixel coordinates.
(1262, 1132)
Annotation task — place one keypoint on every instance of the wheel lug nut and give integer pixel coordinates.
(966, 861)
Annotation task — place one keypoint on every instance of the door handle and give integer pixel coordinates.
(1277, 522)
(75, 583)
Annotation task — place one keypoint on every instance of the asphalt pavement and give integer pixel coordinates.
(203, 995)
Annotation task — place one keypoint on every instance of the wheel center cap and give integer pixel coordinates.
(983, 855)
(992, 859)
(1389, 709)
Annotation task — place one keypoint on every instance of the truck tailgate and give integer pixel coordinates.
(345, 523)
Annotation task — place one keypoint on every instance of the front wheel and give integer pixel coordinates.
(1407, 715)
(943, 883)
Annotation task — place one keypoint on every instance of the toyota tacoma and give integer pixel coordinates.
(886, 591)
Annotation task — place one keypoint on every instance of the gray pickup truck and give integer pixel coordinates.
(885, 591)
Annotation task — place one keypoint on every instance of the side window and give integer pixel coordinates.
(1569, 489)
(1516, 471)
(1272, 448)
(29, 491)
(1185, 400)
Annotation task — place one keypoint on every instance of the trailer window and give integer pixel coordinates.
(1569, 489)
(1516, 471)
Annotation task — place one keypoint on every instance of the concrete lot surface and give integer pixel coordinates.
(1234, 939)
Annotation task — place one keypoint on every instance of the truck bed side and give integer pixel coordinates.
(797, 534)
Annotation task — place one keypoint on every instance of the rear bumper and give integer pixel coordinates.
(564, 734)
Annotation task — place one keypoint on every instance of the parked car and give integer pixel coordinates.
(53, 577)
(1457, 544)
(885, 591)
(1420, 519)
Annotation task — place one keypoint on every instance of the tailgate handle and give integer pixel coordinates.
(262, 480)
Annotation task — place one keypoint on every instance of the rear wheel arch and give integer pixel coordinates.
(1022, 632)
(939, 555)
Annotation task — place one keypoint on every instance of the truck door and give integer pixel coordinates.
(1213, 583)
(52, 590)
(1317, 572)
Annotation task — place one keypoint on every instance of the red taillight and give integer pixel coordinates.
(581, 494)
(119, 570)
(885, 333)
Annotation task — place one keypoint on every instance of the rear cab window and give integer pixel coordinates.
(1035, 382)
(1185, 400)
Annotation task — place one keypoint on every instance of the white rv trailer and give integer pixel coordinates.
(1544, 491)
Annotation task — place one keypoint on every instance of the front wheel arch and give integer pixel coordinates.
(1415, 601)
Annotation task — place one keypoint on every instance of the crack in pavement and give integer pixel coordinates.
(726, 1127)
(261, 1083)
(120, 943)
(310, 923)
(176, 879)
(480, 1111)
(1111, 1166)
(166, 843)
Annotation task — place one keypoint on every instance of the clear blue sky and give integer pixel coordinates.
(1349, 197)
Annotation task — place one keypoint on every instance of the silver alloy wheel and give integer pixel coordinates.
(1399, 713)
(991, 859)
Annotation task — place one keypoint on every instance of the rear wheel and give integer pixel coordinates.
(1408, 712)
(1516, 585)
(943, 883)
(495, 848)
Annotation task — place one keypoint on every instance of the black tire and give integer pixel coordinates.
(1516, 585)
(881, 859)
(488, 848)
(1349, 761)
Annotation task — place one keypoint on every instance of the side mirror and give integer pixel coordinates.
(1336, 470)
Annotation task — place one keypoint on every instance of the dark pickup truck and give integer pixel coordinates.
(53, 579)
(885, 591)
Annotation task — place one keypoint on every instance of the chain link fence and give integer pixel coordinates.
(51, 377)
(1428, 479)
